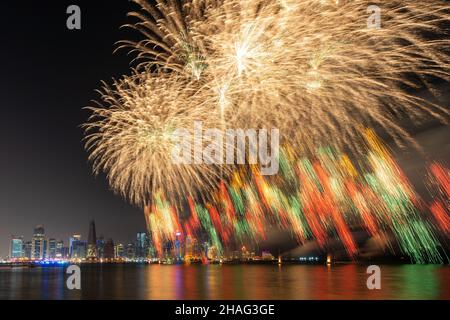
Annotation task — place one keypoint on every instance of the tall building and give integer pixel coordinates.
(118, 251)
(27, 249)
(16, 248)
(65, 253)
(51, 248)
(101, 247)
(141, 245)
(177, 249)
(75, 238)
(188, 247)
(39, 243)
(108, 250)
(168, 250)
(196, 249)
(59, 249)
(131, 251)
(78, 248)
(92, 242)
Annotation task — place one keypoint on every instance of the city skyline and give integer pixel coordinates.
(47, 237)
(45, 175)
(185, 249)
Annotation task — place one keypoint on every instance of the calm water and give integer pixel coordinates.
(227, 282)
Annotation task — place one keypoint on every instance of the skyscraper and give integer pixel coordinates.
(109, 250)
(39, 243)
(131, 251)
(92, 242)
(72, 240)
(177, 249)
(79, 250)
(168, 250)
(118, 251)
(77, 247)
(59, 249)
(141, 245)
(51, 248)
(27, 249)
(16, 248)
(101, 247)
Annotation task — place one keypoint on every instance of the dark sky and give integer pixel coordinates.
(47, 75)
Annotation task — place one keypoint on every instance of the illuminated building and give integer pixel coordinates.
(188, 248)
(77, 247)
(212, 253)
(266, 255)
(65, 253)
(118, 251)
(27, 247)
(196, 248)
(79, 250)
(60, 249)
(245, 253)
(101, 247)
(109, 250)
(51, 249)
(177, 248)
(39, 243)
(92, 242)
(168, 250)
(141, 245)
(75, 238)
(131, 251)
(16, 248)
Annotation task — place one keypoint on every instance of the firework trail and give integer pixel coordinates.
(320, 199)
(315, 70)
(440, 177)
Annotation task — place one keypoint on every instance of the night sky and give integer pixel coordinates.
(48, 74)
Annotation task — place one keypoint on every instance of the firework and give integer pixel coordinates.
(440, 176)
(321, 199)
(132, 136)
(314, 69)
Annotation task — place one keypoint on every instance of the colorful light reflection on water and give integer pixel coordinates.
(175, 282)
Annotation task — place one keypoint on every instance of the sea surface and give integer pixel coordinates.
(172, 282)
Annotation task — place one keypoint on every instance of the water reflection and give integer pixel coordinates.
(227, 282)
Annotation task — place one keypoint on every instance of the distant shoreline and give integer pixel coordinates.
(226, 263)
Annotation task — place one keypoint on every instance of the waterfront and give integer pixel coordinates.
(292, 282)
